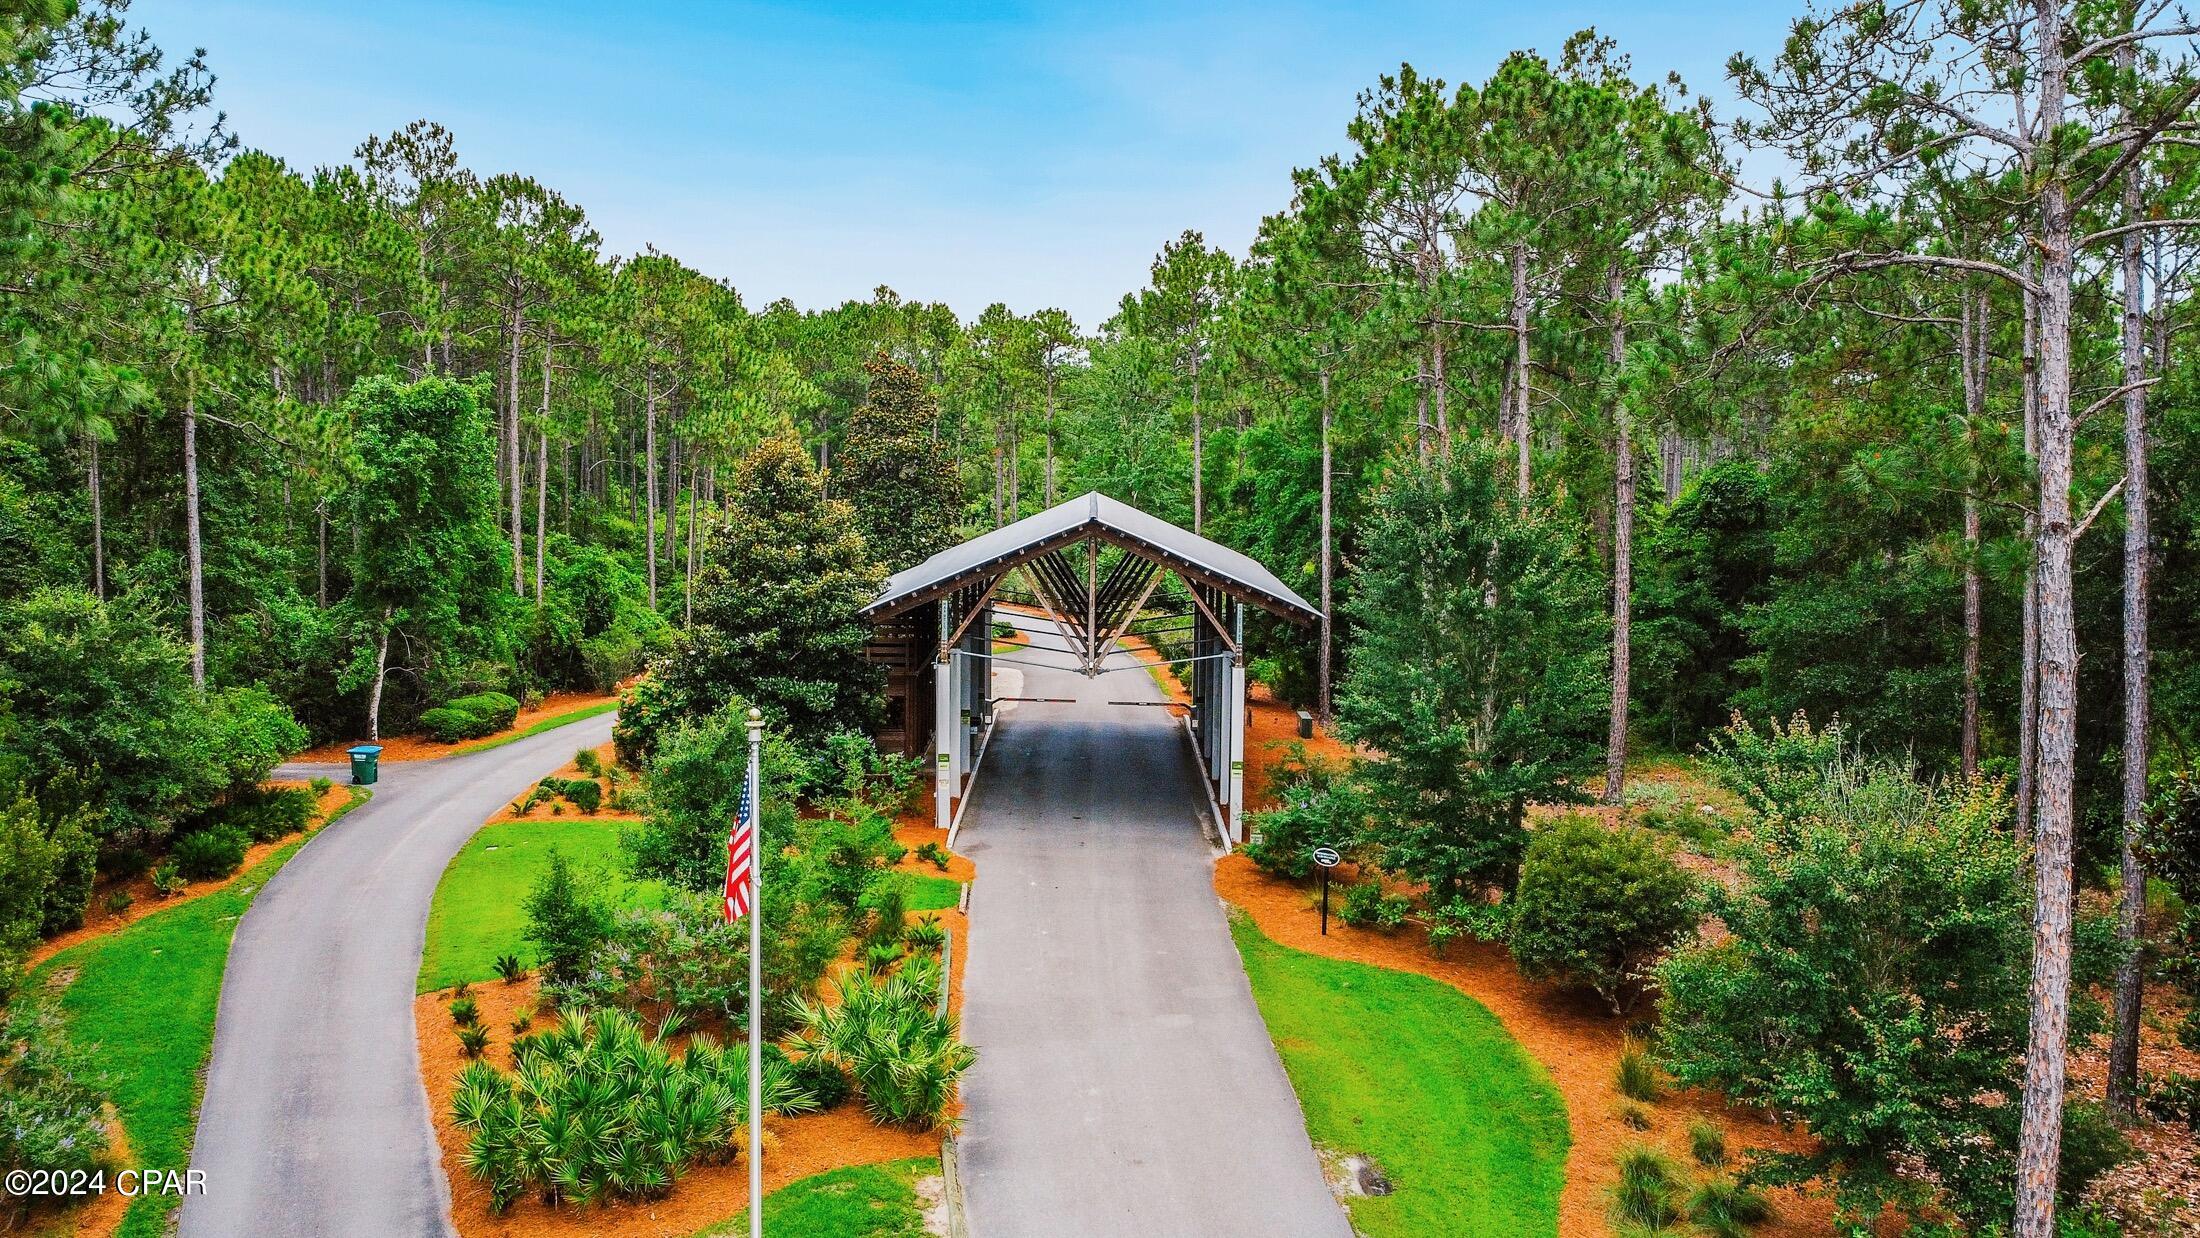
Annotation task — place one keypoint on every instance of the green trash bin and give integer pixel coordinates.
(366, 763)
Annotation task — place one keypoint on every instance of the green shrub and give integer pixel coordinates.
(465, 1011)
(1707, 1143)
(75, 871)
(1367, 906)
(320, 786)
(267, 814)
(2092, 1144)
(585, 794)
(649, 1114)
(566, 919)
(1471, 918)
(119, 902)
(1883, 923)
(510, 969)
(880, 956)
(931, 854)
(885, 904)
(823, 1079)
(888, 1033)
(1645, 1193)
(522, 1021)
(687, 960)
(1637, 1075)
(167, 879)
(215, 851)
(1724, 1208)
(1597, 907)
(473, 1039)
(926, 934)
(448, 724)
(587, 762)
(1319, 807)
(51, 1092)
(492, 711)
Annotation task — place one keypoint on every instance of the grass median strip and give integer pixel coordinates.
(861, 1201)
(146, 996)
(1421, 1079)
(478, 911)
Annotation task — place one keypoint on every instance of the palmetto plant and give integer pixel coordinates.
(597, 1108)
(902, 1051)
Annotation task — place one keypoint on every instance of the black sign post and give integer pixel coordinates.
(1327, 858)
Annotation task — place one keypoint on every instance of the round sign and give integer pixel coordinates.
(1327, 857)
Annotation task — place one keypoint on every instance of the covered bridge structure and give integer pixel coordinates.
(1093, 567)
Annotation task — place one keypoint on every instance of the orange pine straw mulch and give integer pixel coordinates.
(98, 921)
(557, 808)
(795, 1148)
(424, 748)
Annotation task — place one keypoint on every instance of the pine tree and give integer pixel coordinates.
(898, 475)
(776, 603)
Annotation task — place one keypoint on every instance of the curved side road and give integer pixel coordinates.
(315, 1121)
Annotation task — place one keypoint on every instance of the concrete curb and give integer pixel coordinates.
(958, 1218)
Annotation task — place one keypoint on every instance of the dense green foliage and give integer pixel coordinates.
(1874, 982)
(895, 1039)
(775, 606)
(596, 1109)
(1597, 906)
(1460, 580)
(896, 472)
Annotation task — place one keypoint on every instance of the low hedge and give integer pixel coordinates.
(471, 717)
(215, 851)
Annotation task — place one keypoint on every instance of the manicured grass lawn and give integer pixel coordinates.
(933, 893)
(1423, 1079)
(547, 724)
(861, 1201)
(477, 913)
(146, 996)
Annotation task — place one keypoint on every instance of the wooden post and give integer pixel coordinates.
(1235, 798)
(943, 727)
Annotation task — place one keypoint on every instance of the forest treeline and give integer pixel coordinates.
(1585, 438)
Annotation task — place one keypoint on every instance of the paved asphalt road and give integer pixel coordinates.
(1125, 1083)
(315, 1121)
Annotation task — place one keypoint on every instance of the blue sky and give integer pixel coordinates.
(1037, 155)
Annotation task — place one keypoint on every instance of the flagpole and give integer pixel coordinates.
(756, 977)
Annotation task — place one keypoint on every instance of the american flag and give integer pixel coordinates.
(741, 857)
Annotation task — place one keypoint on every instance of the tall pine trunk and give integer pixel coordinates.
(515, 471)
(2039, 1149)
(99, 532)
(1623, 546)
(1973, 362)
(649, 481)
(2123, 1050)
(542, 472)
(688, 584)
(1050, 436)
(194, 550)
(1199, 445)
(1322, 697)
(2028, 658)
(1520, 361)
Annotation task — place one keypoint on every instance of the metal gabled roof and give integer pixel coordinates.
(1089, 515)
